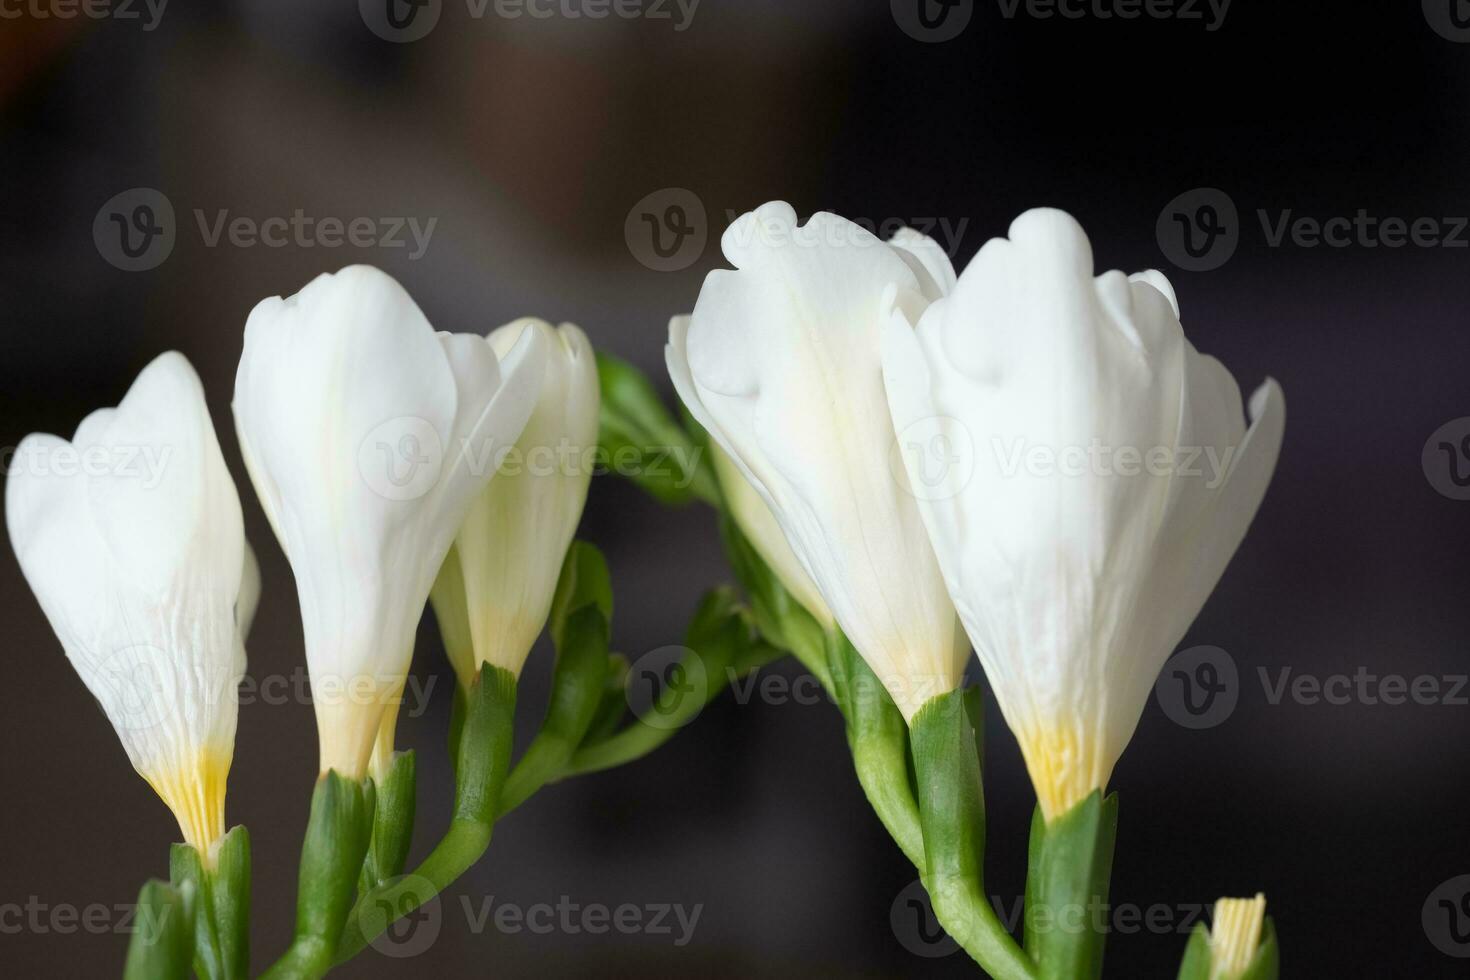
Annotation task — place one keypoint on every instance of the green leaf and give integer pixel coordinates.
(952, 813)
(1198, 961)
(393, 818)
(162, 947)
(1067, 893)
(584, 581)
(642, 440)
(1266, 965)
(221, 904)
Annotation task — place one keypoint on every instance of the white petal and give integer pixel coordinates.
(780, 362)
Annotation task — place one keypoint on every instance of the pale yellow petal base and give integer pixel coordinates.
(195, 792)
(1063, 766)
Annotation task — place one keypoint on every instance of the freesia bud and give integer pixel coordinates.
(1098, 477)
(132, 539)
(780, 362)
(1235, 936)
(759, 526)
(509, 551)
(367, 435)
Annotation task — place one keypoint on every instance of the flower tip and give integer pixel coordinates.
(1235, 935)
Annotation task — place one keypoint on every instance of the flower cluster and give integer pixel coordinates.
(371, 441)
(856, 384)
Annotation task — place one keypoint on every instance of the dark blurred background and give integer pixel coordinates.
(536, 144)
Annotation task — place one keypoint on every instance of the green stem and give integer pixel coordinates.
(483, 742)
(577, 687)
(878, 738)
(337, 838)
(952, 804)
(221, 904)
(1071, 860)
(162, 946)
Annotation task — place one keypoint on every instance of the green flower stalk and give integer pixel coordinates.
(221, 903)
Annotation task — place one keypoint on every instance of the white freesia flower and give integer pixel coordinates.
(131, 537)
(509, 552)
(367, 435)
(780, 362)
(1101, 477)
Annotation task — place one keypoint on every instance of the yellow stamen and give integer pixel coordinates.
(1235, 935)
